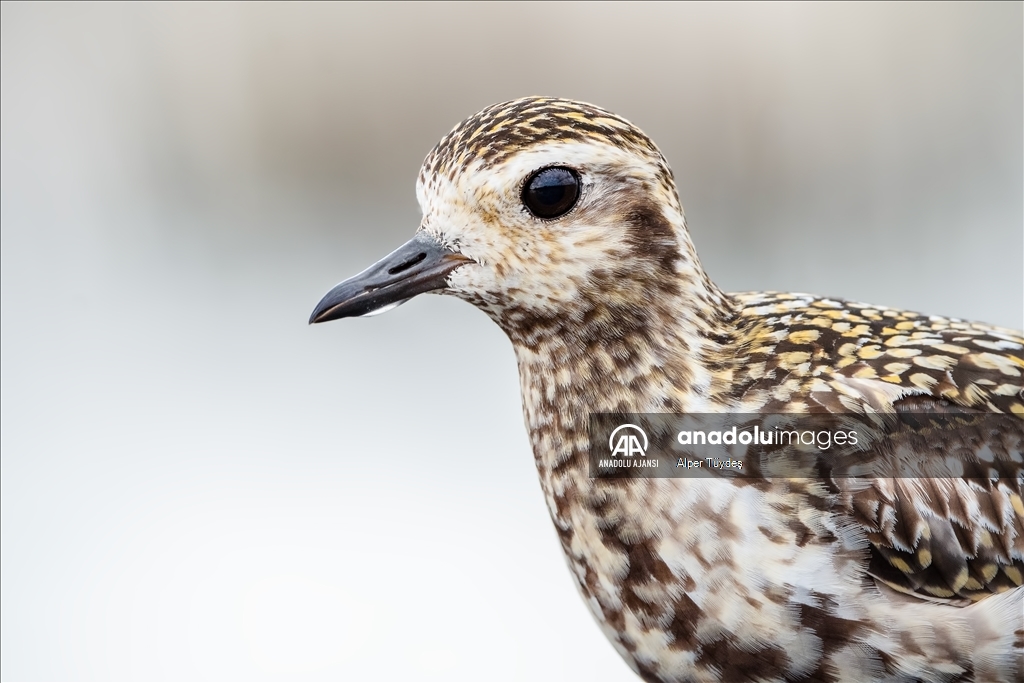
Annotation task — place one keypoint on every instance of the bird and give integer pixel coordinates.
(562, 222)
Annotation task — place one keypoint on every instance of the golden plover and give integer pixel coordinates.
(561, 221)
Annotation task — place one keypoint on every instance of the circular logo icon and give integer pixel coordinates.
(631, 441)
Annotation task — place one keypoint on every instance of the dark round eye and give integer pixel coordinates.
(551, 192)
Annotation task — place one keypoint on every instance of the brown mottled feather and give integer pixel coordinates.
(772, 579)
(937, 538)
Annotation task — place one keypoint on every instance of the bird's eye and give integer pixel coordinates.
(551, 192)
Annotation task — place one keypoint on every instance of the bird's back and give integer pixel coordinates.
(799, 353)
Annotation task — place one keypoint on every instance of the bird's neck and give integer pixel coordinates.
(655, 355)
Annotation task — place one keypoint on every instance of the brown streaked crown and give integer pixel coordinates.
(501, 130)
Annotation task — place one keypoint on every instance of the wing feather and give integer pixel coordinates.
(949, 536)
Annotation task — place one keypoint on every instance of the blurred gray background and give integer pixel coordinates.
(186, 487)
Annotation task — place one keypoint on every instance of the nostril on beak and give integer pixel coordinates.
(407, 264)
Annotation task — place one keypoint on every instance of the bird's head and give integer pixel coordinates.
(537, 210)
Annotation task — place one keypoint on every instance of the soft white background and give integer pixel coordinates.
(196, 485)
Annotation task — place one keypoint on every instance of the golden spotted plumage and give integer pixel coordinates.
(823, 343)
(800, 353)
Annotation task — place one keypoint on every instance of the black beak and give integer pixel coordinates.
(420, 265)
